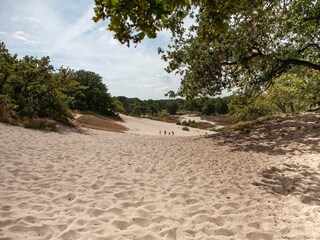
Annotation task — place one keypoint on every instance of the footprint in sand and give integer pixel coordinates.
(224, 232)
(122, 225)
(97, 185)
(142, 222)
(259, 235)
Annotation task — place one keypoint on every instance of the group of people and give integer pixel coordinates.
(165, 133)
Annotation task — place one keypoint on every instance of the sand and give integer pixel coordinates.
(198, 119)
(145, 126)
(103, 185)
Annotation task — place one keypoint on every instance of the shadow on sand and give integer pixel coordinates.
(291, 135)
(298, 180)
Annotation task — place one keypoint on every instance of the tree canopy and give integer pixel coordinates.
(32, 90)
(205, 106)
(244, 44)
(93, 95)
(31, 87)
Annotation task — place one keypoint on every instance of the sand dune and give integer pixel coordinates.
(104, 185)
(144, 126)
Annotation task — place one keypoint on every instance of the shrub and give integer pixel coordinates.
(185, 128)
(178, 123)
(189, 123)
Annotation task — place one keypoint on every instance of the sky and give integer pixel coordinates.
(64, 31)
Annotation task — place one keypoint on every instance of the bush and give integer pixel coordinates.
(178, 123)
(247, 108)
(189, 123)
(185, 128)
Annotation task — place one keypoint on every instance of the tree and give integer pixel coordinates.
(172, 108)
(244, 107)
(31, 87)
(231, 44)
(209, 107)
(291, 93)
(94, 95)
(193, 105)
(295, 91)
(118, 105)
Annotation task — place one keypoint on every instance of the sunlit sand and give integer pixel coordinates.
(104, 185)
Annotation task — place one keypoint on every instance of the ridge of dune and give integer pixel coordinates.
(105, 185)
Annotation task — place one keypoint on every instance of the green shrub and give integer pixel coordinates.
(178, 123)
(189, 123)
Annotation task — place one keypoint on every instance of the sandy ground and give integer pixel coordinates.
(103, 185)
(144, 126)
(199, 120)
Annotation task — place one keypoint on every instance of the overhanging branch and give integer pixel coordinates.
(299, 62)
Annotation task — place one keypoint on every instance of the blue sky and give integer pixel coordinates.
(64, 31)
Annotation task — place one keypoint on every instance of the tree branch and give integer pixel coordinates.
(302, 63)
(310, 45)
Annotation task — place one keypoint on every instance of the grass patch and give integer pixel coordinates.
(165, 118)
(223, 120)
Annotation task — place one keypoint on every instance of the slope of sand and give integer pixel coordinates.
(103, 185)
(199, 120)
(144, 126)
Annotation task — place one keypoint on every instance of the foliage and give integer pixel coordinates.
(291, 93)
(32, 88)
(245, 108)
(229, 44)
(93, 95)
(137, 107)
(172, 108)
(118, 107)
(189, 123)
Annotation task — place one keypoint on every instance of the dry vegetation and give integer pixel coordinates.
(223, 120)
(98, 122)
(166, 118)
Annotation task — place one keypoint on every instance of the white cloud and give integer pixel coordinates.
(20, 36)
(70, 37)
(24, 37)
(25, 19)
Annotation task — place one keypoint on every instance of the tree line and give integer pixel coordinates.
(205, 106)
(31, 88)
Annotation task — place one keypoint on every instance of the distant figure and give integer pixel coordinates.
(160, 132)
(165, 132)
(169, 133)
(172, 133)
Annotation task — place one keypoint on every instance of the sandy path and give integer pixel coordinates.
(104, 185)
(144, 126)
